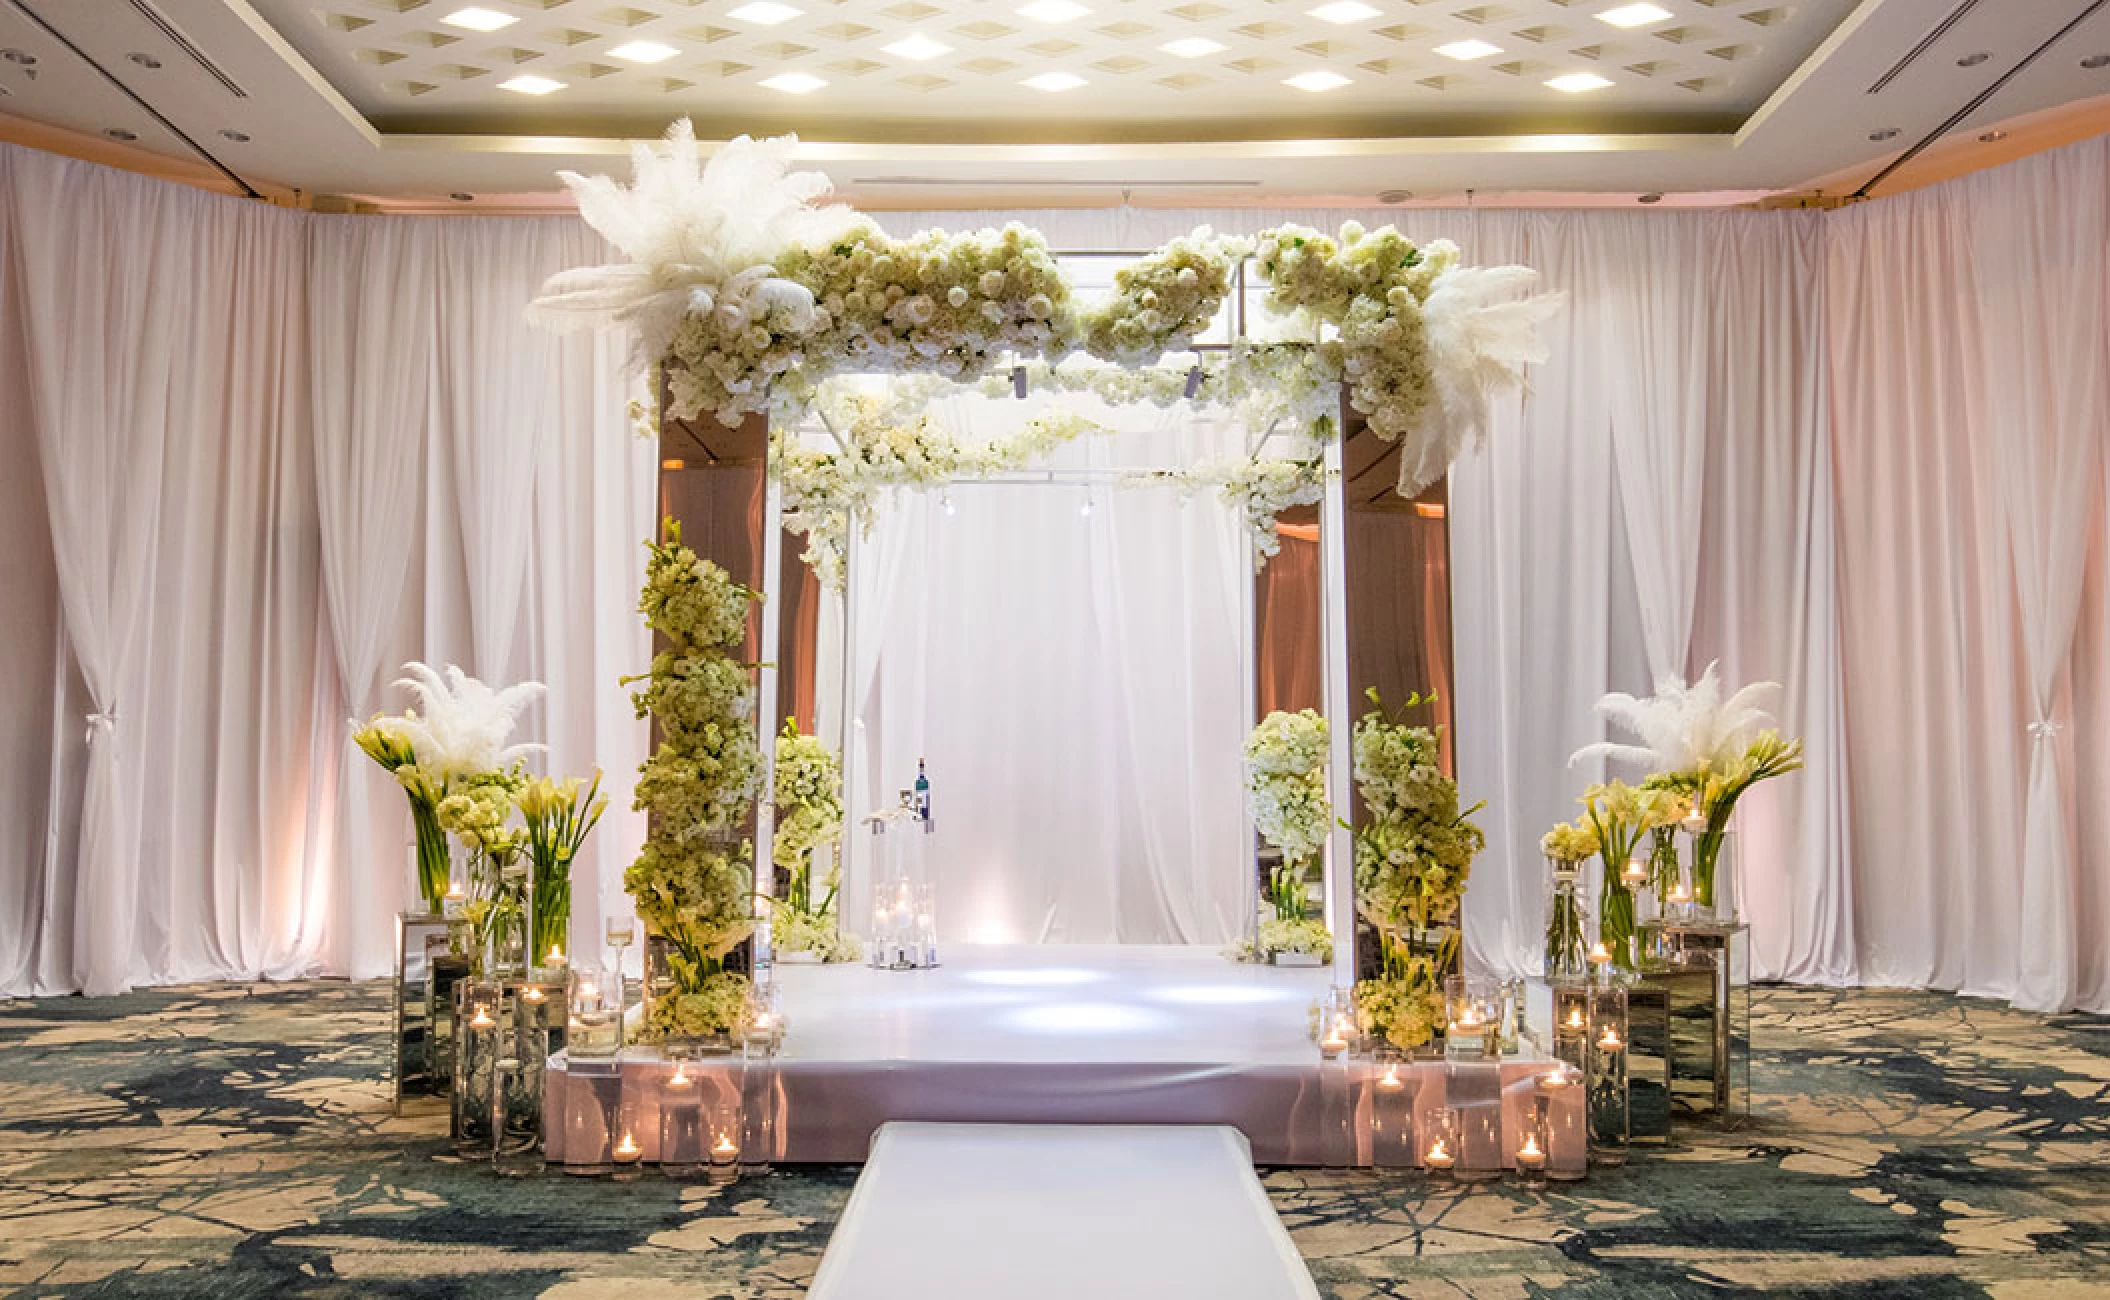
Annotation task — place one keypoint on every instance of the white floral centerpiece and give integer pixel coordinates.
(1285, 781)
(809, 802)
(1413, 856)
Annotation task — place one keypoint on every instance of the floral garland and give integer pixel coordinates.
(809, 800)
(750, 294)
(693, 879)
(1412, 859)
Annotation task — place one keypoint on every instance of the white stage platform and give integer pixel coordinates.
(968, 1212)
(1040, 1003)
(1052, 1034)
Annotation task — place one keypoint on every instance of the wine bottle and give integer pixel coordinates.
(923, 796)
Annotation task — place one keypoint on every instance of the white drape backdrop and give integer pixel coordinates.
(1859, 452)
(1073, 680)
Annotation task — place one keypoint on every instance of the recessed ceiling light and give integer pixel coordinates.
(1575, 83)
(237, 137)
(764, 13)
(643, 52)
(1466, 51)
(1994, 136)
(1316, 81)
(1344, 12)
(795, 83)
(1973, 59)
(1650, 197)
(480, 20)
(918, 47)
(1053, 11)
(1394, 196)
(121, 135)
(1634, 15)
(147, 61)
(1193, 47)
(2094, 61)
(1882, 133)
(529, 84)
(1053, 82)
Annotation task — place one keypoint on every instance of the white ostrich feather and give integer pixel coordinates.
(700, 236)
(1685, 728)
(1482, 326)
(465, 724)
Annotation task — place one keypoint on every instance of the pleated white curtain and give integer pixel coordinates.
(1884, 488)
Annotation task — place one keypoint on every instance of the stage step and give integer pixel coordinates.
(1059, 1212)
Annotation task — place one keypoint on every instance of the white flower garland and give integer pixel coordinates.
(751, 294)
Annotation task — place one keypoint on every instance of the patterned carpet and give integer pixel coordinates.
(235, 1141)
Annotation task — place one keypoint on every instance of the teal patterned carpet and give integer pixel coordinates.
(233, 1141)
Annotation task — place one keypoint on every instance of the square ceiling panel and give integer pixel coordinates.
(1149, 69)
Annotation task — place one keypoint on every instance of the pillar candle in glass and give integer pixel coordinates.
(1607, 1076)
(682, 1146)
(1392, 1089)
(1529, 1159)
(480, 1038)
(627, 1156)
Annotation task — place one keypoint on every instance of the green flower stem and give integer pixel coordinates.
(435, 864)
(1615, 922)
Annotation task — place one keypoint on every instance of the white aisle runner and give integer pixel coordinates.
(1059, 1212)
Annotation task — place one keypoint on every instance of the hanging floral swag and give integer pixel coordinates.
(751, 294)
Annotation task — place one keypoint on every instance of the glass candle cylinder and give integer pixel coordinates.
(516, 1120)
(1559, 1110)
(1530, 1157)
(1571, 1024)
(627, 1157)
(1337, 1023)
(1392, 1093)
(1439, 1154)
(480, 1039)
(593, 1029)
(682, 1148)
(759, 1100)
(592, 1116)
(1610, 1119)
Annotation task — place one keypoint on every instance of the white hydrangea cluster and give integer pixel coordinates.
(1285, 777)
(1370, 286)
(1163, 301)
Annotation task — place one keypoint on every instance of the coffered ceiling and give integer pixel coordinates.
(930, 102)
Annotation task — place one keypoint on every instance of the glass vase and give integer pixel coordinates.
(1564, 920)
(433, 859)
(1606, 1074)
(481, 1039)
(1714, 877)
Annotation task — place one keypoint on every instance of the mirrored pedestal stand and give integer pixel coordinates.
(1708, 967)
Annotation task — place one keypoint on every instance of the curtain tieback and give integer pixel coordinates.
(2044, 729)
(103, 720)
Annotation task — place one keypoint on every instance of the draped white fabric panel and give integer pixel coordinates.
(246, 423)
(1861, 453)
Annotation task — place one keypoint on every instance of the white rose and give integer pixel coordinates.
(991, 283)
(957, 296)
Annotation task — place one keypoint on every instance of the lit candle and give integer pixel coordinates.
(725, 1151)
(1635, 874)
(1390, 1081)
(1608, 1041)
(1336, 1040)
(679, 1081)
(1681, 894)
(1553, 1081)
(1575, 1018)
(556, 959)
(1695, 823)
(535, 994)
(1439, 1156)
(481, 1018)
(627, 1151)
(1530, 1158)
